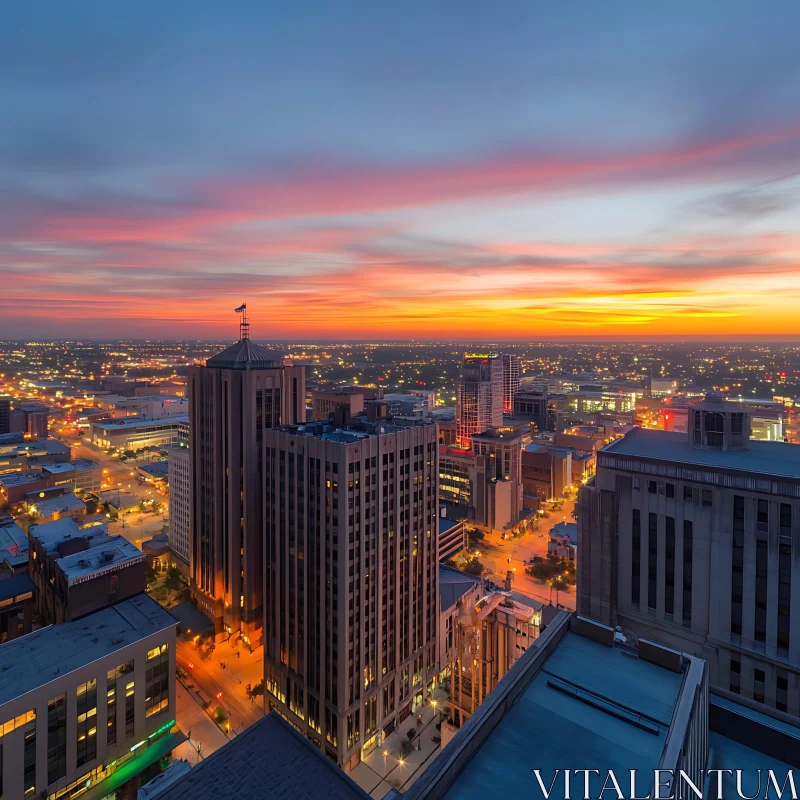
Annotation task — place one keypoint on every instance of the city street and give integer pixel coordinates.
(496, 552)
(207, 678)
(136, 527)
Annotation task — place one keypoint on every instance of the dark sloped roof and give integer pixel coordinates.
(269, 760)
(245, 355)
(454, 584)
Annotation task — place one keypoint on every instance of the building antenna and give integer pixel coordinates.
(244, 325)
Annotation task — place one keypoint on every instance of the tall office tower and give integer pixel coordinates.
(351, 579)
(179, 479)
(5, 414)
(511, 374)
(693, 540)
(233, 399)
(480, 396)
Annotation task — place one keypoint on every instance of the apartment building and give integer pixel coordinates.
(179, 480)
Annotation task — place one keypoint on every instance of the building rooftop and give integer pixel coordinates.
(16, 585)
(777, 459)
(51, 534)
(568, 529)
(454, 584)
(110, 553)
(124, 423)
(268, 760)
(40, 657)
(585, 704)
(244, 354)
(356, 430)
(20, 478)
(59, 505)
(155, 469)
(446, 524)
(13, 545)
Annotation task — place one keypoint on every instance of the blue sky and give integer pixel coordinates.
(298, 154)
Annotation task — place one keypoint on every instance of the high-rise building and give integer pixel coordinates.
(511, 375)
(238, 395)
(480, 396)
(351, 578)
(180, 504)
(692, 539)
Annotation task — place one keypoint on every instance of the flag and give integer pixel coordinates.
(241, 308)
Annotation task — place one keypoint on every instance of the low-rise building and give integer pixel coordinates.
(79, 571)
(481, 636)
(13, 547)
(136, 433)
(546, 472)
(87, 705)
(17, 604)
(54, 508)
(18, 454)
(160, 406)
(564, 540)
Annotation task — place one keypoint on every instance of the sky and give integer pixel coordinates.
(416, 170)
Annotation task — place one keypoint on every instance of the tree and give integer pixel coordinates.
(219, 715)
(129, 454)
(173, 579)
(473, 567)
(91, 506)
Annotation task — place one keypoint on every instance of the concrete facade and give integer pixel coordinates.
(694, 541)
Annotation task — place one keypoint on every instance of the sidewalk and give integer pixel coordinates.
(385, 768)
(205, 735)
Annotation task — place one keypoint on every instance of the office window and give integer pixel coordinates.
(652, 487)
(652, 561)
(669, 565)
(57, 739)
(122, 669)
(86, 710)
(111, 716)
(781, 692)
(29, 762)
(636, 556)
(737, 568)
(761, 591)
(670, 490)
(687, 494)
(706, 497)
(762, 518)
(758, 685)
(736, 676)
(130, 710)
(687, 572)
(784, 575)
(157, 681)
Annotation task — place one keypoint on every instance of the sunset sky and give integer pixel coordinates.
(428, 170)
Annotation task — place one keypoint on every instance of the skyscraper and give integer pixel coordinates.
(480, 396)
(351, 578)
(234, 398)
(692, 540)
(511, 374)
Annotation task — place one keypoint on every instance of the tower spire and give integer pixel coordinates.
(244, 325)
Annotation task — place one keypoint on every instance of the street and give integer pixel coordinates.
(136, 527)
(207, 678)
(496, 552)
(203, 734)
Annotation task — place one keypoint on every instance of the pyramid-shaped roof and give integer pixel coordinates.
(245, 355)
